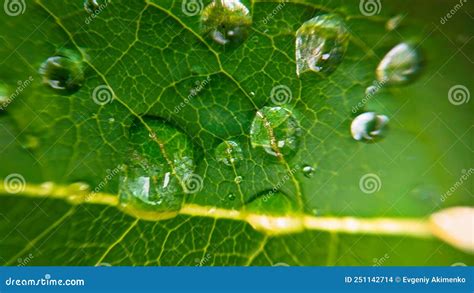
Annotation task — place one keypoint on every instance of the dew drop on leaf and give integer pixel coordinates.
(63, 74)
(276, 130)
(231, 196)
(370, 90)
(320, 44)
(394, 22)
(4, 96)
(94, 6)
(274, 213)
(226, 21)
(151, 183)
(308, 171)
(400, 65)
(238, 179)
(229, 152)
(368, 126)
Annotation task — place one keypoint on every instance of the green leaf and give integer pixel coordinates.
(150, 58)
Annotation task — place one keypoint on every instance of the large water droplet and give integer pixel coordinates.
(151, 185)
(399, 66)
(320, 44)
(276, 130)
(63, 74)
(368, 126)
(226, 21)
(272, 212)
(229, 152)
(308, 171)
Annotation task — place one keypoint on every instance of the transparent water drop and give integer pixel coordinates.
(394, 22)
(91, 6)
(238, 179)
(229, 152)
(63, 74)
(226, 21)
(111, 120)
(368, 126)
(273, 213)
(321, 43)
(94, 6)
(4, 96)
(30, 142)
(276, 130)
(370, 90)
(152, 185)
(308, 171)
(400, 65)
(231, 196)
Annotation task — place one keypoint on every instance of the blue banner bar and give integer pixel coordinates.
(237, 279)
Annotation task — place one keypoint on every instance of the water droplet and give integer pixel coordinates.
(151, 184)
(370, 90)
(238, 179)
(4, 96)
(91, 5)
(276, 130)
(111, 120)
(231, 196)
(320, 44)
(63, 74)
(273, 213)
(368, 126)
(399, 66)
(394, 22)
(226, 21)
(229, 152)
(308, 171)
(29, 142)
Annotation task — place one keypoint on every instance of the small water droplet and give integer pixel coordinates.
(315, 212)
(308, 171)
(151, 187)
(276, 130)
(63, 74)
(94, 6)
(111, 120)
(229, 152)
(321, 43)
(231, 196)
(368, 126)
(238, 179)
(30, 142)
(400, 65)
(394, 22)
(4, 96)
(370, 90)
(226, 21)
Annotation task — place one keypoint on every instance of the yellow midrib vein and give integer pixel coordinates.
(270, 224)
